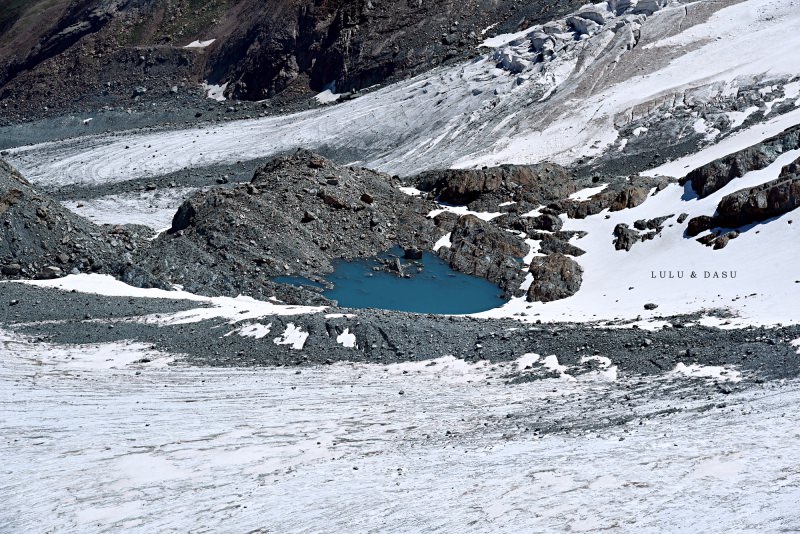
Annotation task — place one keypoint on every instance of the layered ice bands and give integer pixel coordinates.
(560, 92)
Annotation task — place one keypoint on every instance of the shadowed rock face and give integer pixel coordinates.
(555, 277)
(752, 205)
(713, 176)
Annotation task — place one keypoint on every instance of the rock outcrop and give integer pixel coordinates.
(482, 249)
(616, 197)
(484, 189)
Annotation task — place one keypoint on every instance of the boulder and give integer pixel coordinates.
(698, 225)
(555, 277)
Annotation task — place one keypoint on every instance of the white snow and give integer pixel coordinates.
(347, 340)
(293, 336)
(237, 309)
(463, 210)
(444, 241)
(737, 118)
(527, 360)
(617, 284)
(327, 97)
(148, 208)
(183, 449)
(551, 363)
(412, 191)
(589, 192)
(708, 371)
(215, 92)
(255, 330)
(200, 44)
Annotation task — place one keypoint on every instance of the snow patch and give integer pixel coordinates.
(293, 336)
(235, 309)
(589, 192)
(708, 371)
(200, 44)
(347, 340)
(255, 330)
(463, 210)
(327, 97)
(215, 92)
(443, 241)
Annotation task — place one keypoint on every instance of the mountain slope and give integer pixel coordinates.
(59, 53)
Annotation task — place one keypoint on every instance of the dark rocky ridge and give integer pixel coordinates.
(713, 176)
(747, 206)
(762, 202)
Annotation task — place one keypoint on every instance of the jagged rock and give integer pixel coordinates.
(412, 254)
(656, 223)
(713, 176)
(49, 272)
(582, 25)
(12, 269)
(648, 7)
(625, 237)
(616, 197)
(548, 222)
(549, 244)
(482, 249)
(529, 225)
(184, 217)
(555, 277)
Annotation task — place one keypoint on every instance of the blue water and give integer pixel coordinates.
(436, 289)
